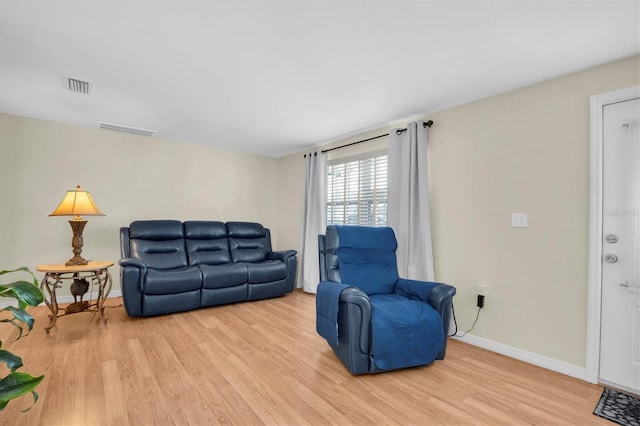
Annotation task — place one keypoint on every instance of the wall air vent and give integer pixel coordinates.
(79, 86)
(126, 129)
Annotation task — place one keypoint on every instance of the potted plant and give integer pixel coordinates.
(27, 293)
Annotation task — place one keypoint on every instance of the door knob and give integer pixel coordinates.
(611, 258)
(611, 239)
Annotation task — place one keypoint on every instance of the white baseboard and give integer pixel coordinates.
(522, 355)
(5, 301)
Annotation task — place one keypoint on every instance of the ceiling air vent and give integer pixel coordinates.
(79, 86)
(126, 129)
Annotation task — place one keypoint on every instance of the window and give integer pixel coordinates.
(357, 190)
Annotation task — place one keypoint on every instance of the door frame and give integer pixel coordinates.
(594, 296)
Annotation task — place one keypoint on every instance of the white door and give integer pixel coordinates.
(620, 321)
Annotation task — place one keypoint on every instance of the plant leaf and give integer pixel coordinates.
(25, 292)
(13, 361)
(21, 315)
(17, 384)
(35, 399)
(16, 325)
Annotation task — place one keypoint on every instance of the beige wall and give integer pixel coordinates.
(521, 151)
(129, 177)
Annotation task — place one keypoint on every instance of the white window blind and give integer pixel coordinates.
(357, 191)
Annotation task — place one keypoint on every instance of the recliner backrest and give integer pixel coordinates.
(207, 242)
(331, 242)
(322, 258)
(248, 241)
(362, 256)
(158, 243)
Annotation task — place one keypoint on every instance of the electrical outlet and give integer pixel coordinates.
(482, 290)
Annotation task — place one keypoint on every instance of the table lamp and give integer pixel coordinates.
(77, 202)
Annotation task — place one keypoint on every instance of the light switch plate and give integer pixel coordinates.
(519, 220)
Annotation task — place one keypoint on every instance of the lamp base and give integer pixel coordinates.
(77, 226)
(76, 261)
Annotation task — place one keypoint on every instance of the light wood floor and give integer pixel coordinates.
(263, 363)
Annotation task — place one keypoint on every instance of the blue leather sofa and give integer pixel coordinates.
(170, 266)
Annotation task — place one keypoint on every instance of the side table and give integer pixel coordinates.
(80, 278)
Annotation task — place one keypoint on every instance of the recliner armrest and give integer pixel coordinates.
(436, 294)
(357, 297)
(414, 289)
(281, 255)
(441, 296)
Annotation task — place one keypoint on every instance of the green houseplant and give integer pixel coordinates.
(27, 293)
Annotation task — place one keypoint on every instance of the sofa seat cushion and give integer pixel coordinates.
(172, 281)
(225, 275)
(266, 271)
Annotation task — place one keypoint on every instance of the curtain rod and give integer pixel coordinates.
(425, 124)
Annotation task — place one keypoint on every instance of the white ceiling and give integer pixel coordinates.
(273, 77)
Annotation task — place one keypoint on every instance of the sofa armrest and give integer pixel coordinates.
(130, 261)
(132, 273)
(289, 257)
(281, 255)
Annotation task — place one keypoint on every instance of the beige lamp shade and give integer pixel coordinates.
(77, 202)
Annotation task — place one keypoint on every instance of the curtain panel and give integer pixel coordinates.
(408, 207)
(314, 222)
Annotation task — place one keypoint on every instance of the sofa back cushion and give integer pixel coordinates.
(207, 243)
(158, 243)
(248, 241)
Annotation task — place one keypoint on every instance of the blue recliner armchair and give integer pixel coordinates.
(374, 320)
